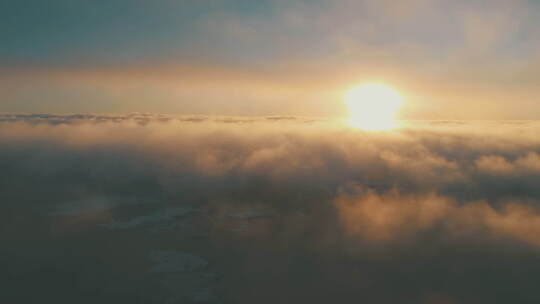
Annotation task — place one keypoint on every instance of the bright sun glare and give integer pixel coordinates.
(373, 107)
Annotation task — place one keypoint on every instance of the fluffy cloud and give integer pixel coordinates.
(391, 216)
(424, 211)
(203, 154)
(529, 163)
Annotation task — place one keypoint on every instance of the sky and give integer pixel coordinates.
(449, 59)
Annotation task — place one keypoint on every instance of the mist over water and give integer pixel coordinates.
(145, 208)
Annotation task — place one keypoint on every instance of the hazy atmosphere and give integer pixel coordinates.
(452, 59)
(235, 152)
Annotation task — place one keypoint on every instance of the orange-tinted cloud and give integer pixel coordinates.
(394, 216)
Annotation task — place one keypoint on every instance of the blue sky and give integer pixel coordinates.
(451, 59)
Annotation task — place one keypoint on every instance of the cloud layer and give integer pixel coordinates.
(436, 212)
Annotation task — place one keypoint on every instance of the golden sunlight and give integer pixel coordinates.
(373, 107)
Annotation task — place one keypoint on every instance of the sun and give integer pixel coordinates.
(373, 106)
